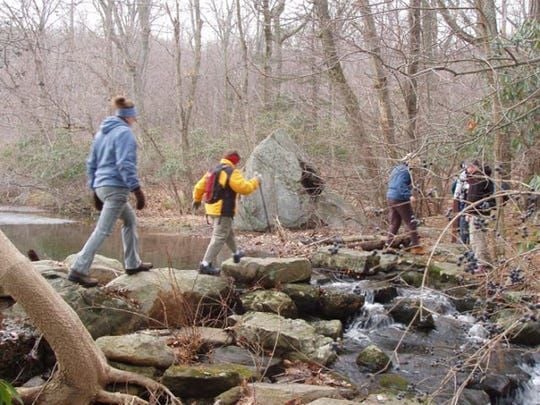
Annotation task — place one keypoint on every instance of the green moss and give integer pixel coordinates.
(393, 381)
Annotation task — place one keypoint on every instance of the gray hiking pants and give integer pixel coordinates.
(221, 234)
(115, 205)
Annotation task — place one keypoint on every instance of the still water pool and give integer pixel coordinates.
(57, 238)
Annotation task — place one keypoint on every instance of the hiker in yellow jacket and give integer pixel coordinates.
(224, 183)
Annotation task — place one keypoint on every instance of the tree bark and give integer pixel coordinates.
(337, 77)
(83, 371)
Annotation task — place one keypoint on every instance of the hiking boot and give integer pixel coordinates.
(417, 250)
(82, 279)
(208, 269)
(237, 256)
(142, 267)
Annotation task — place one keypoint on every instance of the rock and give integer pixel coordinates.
(293, 190)
(330, 401)
(389, 398)
(102, 311)
(355, 261)
(261, 365)
(473, 397)
(268, 272)
(305, 296)
(210, 337)
(137, 349)
(36, 381)
(393, 381)
(527, 334)
(204, 380)
(269, 301)
(230, 397)
(496, 386)
(174, 296)
(147, 371)
(373, 359)
(405, 310)
(279, 394)
(103, 268)
(18, 359)
(332, 329)
(384, 294)
(282, 335)
(412, 278)
(336, 304)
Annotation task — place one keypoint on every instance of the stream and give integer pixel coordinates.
(423, 358)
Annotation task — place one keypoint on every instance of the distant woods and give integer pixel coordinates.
(357, 84)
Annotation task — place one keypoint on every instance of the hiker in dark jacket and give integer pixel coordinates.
(112, 175)
(399, 197)
(480, 188)
(223, 210)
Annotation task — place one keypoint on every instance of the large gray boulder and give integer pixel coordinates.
(174, 296)
(284, 336)
(293, 189)
(103, 268)
(269, 301)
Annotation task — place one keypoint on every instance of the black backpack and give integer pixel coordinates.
(213, 190)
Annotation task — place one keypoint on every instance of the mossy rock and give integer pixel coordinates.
(394, 382)
(204, 380)
(372, 358)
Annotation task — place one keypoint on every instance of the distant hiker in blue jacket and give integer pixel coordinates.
(112, 175)
(399, 197)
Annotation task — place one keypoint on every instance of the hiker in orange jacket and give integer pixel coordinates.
(231, 183)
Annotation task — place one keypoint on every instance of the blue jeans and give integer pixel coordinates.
(115, 205)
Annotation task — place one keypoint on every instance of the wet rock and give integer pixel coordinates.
(413, 278)
(473, 397)
(405, 311)
(204, 380)
(465, 304)
(389, 398)
(330, 401)
(333, 329)
(230, 397)
(306, 297)
(528, 334)
(293, 189)
(269, 301)
(385, 294)
(393, 381)
(172, 296)
(282, 335)
(496, 386)
(260, 365)
(210, 337)
(279, 394)
(137, 349)
(373, 359)
(337, 304)
(103, 268)
(147, 371)
(268, 272)
(356, 261)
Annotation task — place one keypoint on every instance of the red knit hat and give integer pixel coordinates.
(233, 157)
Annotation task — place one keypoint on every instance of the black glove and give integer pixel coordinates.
(195, 205)
(97, 202)
(139, 195)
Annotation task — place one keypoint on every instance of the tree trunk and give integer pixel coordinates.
(82, 370)
(386, 118)
(411, 86)
(337, 77)
(267, 57)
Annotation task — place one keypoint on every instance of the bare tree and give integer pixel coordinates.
(82, 373)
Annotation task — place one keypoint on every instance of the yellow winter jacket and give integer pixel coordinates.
(237, 183)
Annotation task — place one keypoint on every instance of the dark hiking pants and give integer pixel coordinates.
(401, 211)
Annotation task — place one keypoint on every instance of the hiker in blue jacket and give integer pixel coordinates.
(112, 175)
(399, 197)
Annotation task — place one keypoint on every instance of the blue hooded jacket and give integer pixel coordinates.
(400, 184)
(113, 159)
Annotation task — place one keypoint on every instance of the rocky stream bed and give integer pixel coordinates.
(342, 327)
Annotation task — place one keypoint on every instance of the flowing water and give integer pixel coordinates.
(56, 238)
